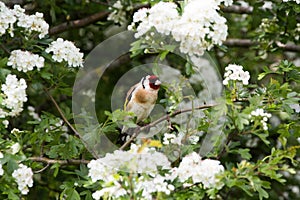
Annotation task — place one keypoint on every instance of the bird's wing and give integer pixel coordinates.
(129, 95)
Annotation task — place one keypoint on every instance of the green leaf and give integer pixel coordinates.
(261, 76)
(46, 75)
(56, 169)
(189, 68)
(3, 62)
(170, 48)
(263, 137)
(4, 73)
(262, 193)
(70, 194)
(243, 152)
(163, 55)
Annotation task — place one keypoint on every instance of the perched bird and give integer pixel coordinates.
(141, 98)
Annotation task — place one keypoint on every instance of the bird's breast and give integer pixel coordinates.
(146, 97)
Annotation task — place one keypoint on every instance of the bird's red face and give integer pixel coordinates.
(154, 82)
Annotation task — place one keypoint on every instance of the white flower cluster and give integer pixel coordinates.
(148, 182)
(7, 19)
(23, 176)
(25, 60)
(15, 148)
(297, 1)
(171, 138)
(260, 114)
(118, 15)
(198, 28)
(152, 185)
(236, 73)
(201, 171)
(31, 23)
(14, 95)
(115, 191)
(33, 114)
(66, 51)
(137, 160)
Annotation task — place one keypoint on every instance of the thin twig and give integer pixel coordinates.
(165, 117)
(246, 43)
(4, 48)
(61, 162)
(62, 115)
(43, 169)
(68, 123)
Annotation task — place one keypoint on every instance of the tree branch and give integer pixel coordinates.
(166, 117)
(246, 43)
(78, 23)
(61, 162)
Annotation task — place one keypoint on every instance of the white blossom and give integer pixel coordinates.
(14, 95)
(260, 115)
(137, 160)
(171, 138)
(65, 51)
(99, 171)
(5, 123)
(33, 114)
(201, 171)
(151, 185)
(7, 19)
(236, 73)
(34, 23)
(161, 16)
(15, 148)
(198, 28)
(118, 15)
(25, 60)
(31, 23)
(115, 191)
(23, 176)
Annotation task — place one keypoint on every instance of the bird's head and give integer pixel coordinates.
(153, 82)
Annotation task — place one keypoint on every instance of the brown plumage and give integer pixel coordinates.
(142, 97)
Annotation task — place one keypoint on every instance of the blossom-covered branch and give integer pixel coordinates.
(103, 15)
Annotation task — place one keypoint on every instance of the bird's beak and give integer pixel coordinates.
(157, 82)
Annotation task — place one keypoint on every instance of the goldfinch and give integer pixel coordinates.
(142, 97)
